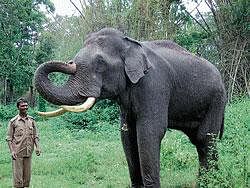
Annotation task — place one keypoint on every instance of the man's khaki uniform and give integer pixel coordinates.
(22, 132)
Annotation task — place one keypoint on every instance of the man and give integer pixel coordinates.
(22, 135)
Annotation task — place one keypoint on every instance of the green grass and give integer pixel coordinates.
(94, 157)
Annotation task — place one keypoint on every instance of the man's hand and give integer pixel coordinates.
(13, 155)
(38, 151)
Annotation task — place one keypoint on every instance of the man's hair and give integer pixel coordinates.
(21, 100)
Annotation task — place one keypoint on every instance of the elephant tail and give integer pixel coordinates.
(222, 128)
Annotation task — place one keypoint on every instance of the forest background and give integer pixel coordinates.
(29, 38)
(30, 34)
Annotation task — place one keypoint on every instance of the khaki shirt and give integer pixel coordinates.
(22, 132)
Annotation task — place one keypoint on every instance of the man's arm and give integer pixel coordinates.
(12, 150)
(9, 139)
(38, 150)
(36, 140)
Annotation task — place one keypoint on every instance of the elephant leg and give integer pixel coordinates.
(149, 139)
(208, 154)
(130, 147)
(200, 146)
(208, 132)
(206, 149)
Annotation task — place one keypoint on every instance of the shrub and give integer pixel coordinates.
(103, 111)
(41, 104)
(7, 112)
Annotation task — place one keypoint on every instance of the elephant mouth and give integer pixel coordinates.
(66, 108)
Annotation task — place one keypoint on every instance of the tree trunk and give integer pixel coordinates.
(8, 91)
(31, 97)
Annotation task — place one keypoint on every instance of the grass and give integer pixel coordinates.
(94, 157)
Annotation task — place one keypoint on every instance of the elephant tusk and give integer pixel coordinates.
(81, 108)
(65, 108)
(53, 113)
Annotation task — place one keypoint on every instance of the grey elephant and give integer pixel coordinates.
(157, 84)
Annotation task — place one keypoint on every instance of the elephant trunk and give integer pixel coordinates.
(66, 94)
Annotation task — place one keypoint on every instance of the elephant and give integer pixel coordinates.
(158, 85)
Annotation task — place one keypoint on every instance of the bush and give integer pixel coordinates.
(7, 112)
(103, 112)
(41, 104)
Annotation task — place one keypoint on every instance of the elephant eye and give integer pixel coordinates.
(100, 64)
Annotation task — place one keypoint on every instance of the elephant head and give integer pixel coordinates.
(101, 69)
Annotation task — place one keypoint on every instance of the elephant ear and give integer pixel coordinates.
(136, 61)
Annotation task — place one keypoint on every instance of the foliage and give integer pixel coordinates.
(233, 29)
(192, 38)
(41, 104)
(227, 25)
(103, 112)
(139, 19)
(17, 41)
(7, 112)
(44, 52)
(67, 33)
(31, 38)
(45, 48)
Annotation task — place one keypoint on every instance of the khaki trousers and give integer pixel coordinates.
(21, 171)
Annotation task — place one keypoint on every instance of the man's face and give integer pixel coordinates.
(23, 107)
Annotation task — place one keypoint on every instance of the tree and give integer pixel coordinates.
(227, 26)
(20, 24)
(44, 52)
